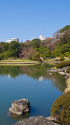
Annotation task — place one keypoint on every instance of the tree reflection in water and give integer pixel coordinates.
(36, 72)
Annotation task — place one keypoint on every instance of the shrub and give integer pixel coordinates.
(61, 109)
(68, 70)
(67, 54)
(1, 56)
(61, 58)
(56, 59)
(5, 55)
(62, 64)
(36, 59)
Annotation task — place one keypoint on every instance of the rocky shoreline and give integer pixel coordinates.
(23, 106)
(36, 120)
(62, 71)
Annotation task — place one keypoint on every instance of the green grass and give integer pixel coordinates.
(63, 64)
(18, 61)
(50, 61)
(67, 59)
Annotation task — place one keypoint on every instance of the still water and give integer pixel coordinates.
(31, 82)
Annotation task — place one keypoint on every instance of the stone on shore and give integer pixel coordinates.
(36, 120)
(20, 107)
(62, 73)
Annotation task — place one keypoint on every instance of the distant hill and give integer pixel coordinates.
(67, 27)
(51, 42)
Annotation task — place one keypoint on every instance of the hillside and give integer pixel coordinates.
(55, 46)
(67, 27)
(51, 42)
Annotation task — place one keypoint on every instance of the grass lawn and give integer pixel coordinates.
(18, 61)
(50, 61)
(67, 59)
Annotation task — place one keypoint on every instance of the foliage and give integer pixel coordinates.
(28, 52)
(62, 64)
(61, 109)
(69, 39)
(67, 27)
(14, 48)
(56, 53)
(35, 56)
(64, 38)
(35, 53)
(68, 70)
(4, 46)
(61, 57)
(37, 48)
(5, 55)
(22, 45)
(67, 54)
(44, 52)
(65, 48)
(35, 43)
(63, 44)
(1, 56)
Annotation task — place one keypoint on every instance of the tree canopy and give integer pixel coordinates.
(35, 43)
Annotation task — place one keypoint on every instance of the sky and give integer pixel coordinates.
(28, 19)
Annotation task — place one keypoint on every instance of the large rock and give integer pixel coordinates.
(36, 120)
(20, 107)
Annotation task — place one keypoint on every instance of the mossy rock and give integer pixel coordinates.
(61, 109)
(63, 64)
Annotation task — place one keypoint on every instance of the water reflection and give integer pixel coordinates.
(41, 78)
(35, 72)
(17, 117)
(31, 82)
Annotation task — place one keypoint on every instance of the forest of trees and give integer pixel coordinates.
(37, 48)
(19, 50)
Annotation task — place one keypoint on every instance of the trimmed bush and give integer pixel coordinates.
(61, 109)
(67, 54)
(56, 59)
(62, 64)
(61, 58)
(1, 56)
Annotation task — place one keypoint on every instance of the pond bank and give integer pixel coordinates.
(68, 85)
(36, 120)
(62, 71)
(18, 62)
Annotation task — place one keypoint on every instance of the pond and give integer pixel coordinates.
(32, 82)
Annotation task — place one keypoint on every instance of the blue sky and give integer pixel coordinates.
(26, 19)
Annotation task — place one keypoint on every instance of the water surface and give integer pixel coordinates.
(31, 82)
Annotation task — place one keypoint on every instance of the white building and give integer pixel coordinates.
(12, 39)
(41, 37)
